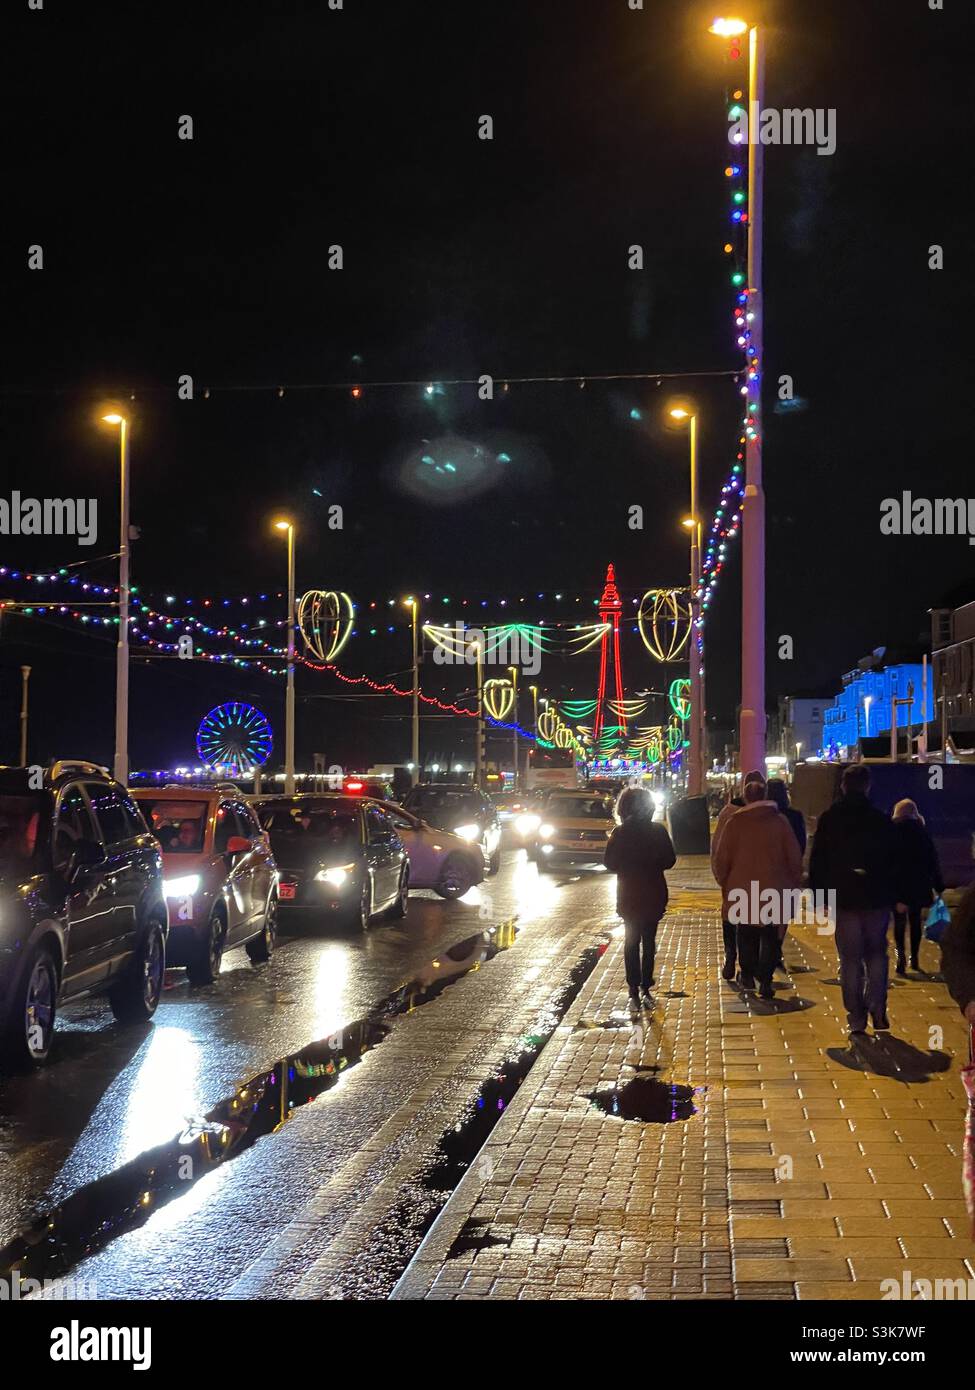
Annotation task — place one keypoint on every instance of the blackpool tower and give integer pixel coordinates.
(608, 734)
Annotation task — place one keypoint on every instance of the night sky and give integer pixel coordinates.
(358, 127)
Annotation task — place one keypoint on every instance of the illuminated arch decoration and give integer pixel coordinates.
(548, 723)
(324, 618)
(234, 738)
(668, 612)
(499, 698)
(675, 735)
(679, 696)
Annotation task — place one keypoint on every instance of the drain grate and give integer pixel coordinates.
(761, 1249)
(739, 1148)
(783, 1291)
(755, 1206)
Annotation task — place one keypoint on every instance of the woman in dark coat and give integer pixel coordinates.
(918, 878)
(638, 852)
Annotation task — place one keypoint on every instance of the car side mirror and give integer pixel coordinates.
(85, 854)
(237, 844)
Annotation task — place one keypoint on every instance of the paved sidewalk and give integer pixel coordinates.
(793, 1167)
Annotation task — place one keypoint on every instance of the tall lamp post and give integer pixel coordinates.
(411, 604)
(751, 738)
(695, 761)
(121, 766)
(24, 679)
(289, 699)
(479, 734)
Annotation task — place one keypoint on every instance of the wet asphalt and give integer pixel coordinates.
(110, 1093)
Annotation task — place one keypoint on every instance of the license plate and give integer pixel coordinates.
(287, 890)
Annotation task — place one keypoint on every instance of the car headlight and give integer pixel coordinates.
(546, 831)
(337, 875)
(527, 824)
(181, 887)
(468, 832)
(547, 849)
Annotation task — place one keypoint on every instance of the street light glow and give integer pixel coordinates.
(679, 413)
(727, 28)
(113, 419)
(282, 525)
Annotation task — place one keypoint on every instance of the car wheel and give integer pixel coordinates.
(262, 946)
(29, 1031)
(204, 966)
(494, 863)
(401, 905)
(456, 877)
(137, 993)
(363, 913)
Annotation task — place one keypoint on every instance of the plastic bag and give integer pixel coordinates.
(937, 920)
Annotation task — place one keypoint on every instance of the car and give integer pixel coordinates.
(439, 860)
(219, 875)
(337, 855)
(462, 809)
(574, 828)
(82, 909)
(377, 788)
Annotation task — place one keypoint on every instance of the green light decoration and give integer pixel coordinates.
(678, 694)
(675, 737)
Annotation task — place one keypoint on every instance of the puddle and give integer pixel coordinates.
(653, 1102)
(124, 1200)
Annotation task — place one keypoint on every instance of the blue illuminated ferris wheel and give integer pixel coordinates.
(234, 738)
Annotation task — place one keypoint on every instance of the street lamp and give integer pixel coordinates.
(751, 738)
(411, 604)
(513, 670)
(479, 735)
(121, 766)
(867, 701)
(289, 699)
(695, 760)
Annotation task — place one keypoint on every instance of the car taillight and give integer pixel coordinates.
(353, 786)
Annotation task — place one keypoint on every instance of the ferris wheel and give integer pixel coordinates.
(234, 738)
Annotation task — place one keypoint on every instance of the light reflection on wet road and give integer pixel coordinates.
(110, 1093)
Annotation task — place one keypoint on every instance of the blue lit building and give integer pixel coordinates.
(862, 709)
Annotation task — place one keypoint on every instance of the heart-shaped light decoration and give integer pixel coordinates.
(499, 698)
(668, 612)
(324, 619)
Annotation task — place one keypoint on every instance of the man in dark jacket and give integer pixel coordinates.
(852, 856)
(638, 852)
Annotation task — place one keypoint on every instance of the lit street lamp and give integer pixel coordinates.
(411, 603)
(751, 737)
(121, 766)
(289, 699)
(514, 716)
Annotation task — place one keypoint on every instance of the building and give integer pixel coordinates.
(801, 725)
(862, 711)
(953, 661)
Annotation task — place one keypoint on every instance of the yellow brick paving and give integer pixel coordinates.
(808, 1171)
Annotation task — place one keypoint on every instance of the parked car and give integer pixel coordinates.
(378, 788)
(81, 903)
(574, 828)
(438, 860)
(336, 855)
(462, 809)
(219, 876)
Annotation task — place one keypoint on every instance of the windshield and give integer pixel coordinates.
(332, 827)
(441, 806)
(580, 807)
(20, 818)
(179, 826)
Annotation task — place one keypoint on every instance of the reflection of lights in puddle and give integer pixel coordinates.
(331, 981)
(163, 1093)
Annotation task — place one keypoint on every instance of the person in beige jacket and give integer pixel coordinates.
(728, 928)
(757, 862)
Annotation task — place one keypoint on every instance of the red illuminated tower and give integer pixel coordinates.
(608, 733)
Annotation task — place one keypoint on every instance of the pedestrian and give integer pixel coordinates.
(958, 955)
(852, 857)
(638, 851)
(728, 929)
(779, 793)
(919, 879)
(759, 867)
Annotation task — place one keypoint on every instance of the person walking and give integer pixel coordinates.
(919, 878)
(958, 956)
(758, 853)
(728, 929)
(852, 857)
(779, 793)
(637, 852)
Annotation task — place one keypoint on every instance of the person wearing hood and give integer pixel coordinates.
(919, 878)
(757, 852)
(638, 852)
(853, 857)
(728, 929)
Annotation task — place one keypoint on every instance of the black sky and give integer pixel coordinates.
(358, 127)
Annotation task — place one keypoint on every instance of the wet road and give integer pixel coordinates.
(110, 1093)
